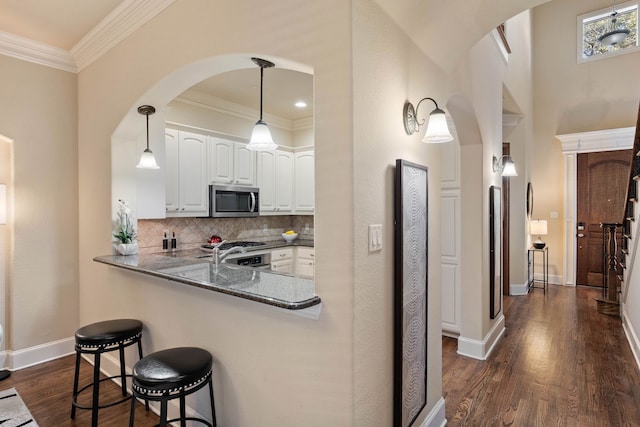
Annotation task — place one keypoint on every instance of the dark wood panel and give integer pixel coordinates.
(560, 362)
(602, 185)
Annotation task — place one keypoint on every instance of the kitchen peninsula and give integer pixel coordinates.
(192, 268)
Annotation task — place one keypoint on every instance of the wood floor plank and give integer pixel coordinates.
(560, 363)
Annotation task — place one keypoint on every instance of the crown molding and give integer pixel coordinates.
(213, 103)
(129, 16)
(36, 52)
(599, 140)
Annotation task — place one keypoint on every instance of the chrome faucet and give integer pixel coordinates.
(218, 256)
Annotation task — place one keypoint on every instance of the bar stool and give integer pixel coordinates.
(98, 338)
(170, 374)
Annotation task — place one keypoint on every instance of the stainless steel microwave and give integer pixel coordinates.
(233, 201)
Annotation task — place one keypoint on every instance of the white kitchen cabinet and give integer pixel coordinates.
(185, 178)
(231, 163)
(305, 262)
(275, 180)
(282, 260)
(304, 182)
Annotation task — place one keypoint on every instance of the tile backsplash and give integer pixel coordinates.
(193, 232)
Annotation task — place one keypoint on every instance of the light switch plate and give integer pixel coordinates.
(375, 237)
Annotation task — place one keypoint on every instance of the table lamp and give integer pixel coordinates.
(538, 227)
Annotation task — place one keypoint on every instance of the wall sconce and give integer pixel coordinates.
(3, 204)
(505, 166)
(437, 128)
(147, 160)
(538, 227)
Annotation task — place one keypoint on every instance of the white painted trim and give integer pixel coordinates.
(518, 289)
(36, 52)
(128, 17)
(631, 335)
(478, 349)
(35, 355)
(573, 144)
(437, 416)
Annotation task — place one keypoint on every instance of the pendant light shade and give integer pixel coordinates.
(261, 139)
(616, 33)
(147, 160)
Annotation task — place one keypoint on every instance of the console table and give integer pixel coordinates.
(531, 269)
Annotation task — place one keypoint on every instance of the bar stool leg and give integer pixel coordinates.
(75, 386)
(163, 414)
(123, 378)
(213, 406)
(146, 401)
(132, 414)
(96, 390)
(183, 423)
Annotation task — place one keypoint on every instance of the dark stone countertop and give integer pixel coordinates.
(259, 285)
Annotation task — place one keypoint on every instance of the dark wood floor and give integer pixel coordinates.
(560, 363)
(46, 390)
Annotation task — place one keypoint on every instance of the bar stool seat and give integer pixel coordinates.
(170, 374)
(98, 338)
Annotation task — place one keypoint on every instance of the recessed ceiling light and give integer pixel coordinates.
(300, 104)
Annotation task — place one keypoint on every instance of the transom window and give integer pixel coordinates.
(592, 27)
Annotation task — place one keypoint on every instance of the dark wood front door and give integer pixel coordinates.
(602, 185)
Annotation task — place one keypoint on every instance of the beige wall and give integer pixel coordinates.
(571, 97)
(272, 368)
(39, 113)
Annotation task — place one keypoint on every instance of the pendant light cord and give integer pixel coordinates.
(261, 79)
(147, 131)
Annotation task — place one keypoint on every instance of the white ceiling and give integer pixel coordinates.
(66, 24)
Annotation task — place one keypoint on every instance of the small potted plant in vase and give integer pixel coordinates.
(125, 231)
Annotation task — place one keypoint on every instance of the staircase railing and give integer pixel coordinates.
(628, 252)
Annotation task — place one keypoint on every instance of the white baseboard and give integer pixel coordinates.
(35, 355)
(436, 417)
(554, 279)
(518, 290)
(482, 349)
(632, 337)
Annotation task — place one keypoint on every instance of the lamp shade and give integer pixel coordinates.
(261, 139)
(3, 209)
(437, 129)
(538, 227)
(147, 161)
(508, 167)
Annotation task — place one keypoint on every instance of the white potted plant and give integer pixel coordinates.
(125, 235)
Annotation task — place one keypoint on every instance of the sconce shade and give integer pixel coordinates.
(437, 129)
(261, 139)
(147, 160)
(508, 167)
(3, 208)
(504, 165)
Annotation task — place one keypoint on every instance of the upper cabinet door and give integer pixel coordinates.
(221, 161)
(193, 172)
(244, 165)
(284, 181)
(172, 183)
(266, 180)
(304, 181)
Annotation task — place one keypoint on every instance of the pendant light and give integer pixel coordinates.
(615, 33)
(261, 139)
(147, 160)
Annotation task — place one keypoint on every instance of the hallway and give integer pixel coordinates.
(560, 363)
